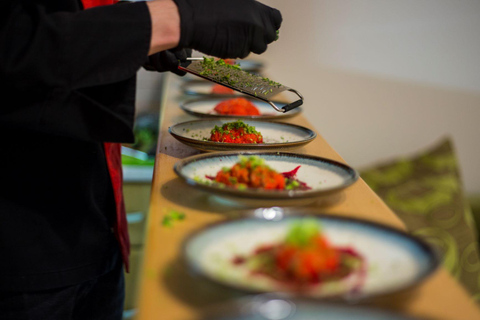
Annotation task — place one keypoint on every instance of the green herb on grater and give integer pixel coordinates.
(234, 77)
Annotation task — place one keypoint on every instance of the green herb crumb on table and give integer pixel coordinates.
(171, 217)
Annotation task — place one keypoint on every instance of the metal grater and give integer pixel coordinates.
(233, 77)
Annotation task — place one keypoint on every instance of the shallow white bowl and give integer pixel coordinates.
(205, 108)
(276, 135)
(395, 260)
(325, 177)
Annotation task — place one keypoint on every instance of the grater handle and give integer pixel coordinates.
(287, 107)
(294, 104)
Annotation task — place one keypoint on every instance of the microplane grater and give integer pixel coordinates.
(242, 81)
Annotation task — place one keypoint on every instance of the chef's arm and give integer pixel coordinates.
(225, 29)
(165, 25)
(44, 48)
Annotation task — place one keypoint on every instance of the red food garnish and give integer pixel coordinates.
(219, 89)
(236, 132)
(258, 177)
(291, 174)
(309, 264)
(237, 106)
(239, 260)
(252, 172)
(236, 136)
(304, 258)
(229, 61)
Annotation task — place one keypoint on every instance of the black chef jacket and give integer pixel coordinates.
(67, 84)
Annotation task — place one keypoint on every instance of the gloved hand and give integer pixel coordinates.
(227, 28)
(167, 60)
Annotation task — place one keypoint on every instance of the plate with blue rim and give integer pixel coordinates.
(393, 261)
(323, 177)
(276, 135)
(204, 107)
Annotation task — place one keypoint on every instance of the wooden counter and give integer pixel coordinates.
(168, 291)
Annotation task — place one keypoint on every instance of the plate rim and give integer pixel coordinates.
(266, 195)
(236, 146)
(184, 88)
(277, 115)
(434, 255)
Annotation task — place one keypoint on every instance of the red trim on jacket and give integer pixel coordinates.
(95, 3)
(114, 164)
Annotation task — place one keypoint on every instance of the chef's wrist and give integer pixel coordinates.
(165, 21)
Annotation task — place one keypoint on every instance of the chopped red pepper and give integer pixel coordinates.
(237, 106)
(236, 132)
(305, 257)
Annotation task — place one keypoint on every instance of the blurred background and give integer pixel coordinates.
(385, 78)
(380, 78)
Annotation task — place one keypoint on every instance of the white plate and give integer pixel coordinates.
(275, 135)
(205, 108)
(325, 177)
(395, 261)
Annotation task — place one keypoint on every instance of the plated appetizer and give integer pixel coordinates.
(236, 132)
(303, 258)
(234, 135)
(305, 253)
(252, 173)
(306, 179)
(237, 106)
(205, 107)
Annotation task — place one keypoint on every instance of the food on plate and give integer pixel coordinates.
(219, 89)
(303, 258)
(236, 132)
(237, 106)
(252, 172)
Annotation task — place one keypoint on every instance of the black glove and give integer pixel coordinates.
(227, 28)
(168, 60)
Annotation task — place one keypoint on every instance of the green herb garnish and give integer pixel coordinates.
(232, 75)
(234, 126)
(172, 216)
(302, 232)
